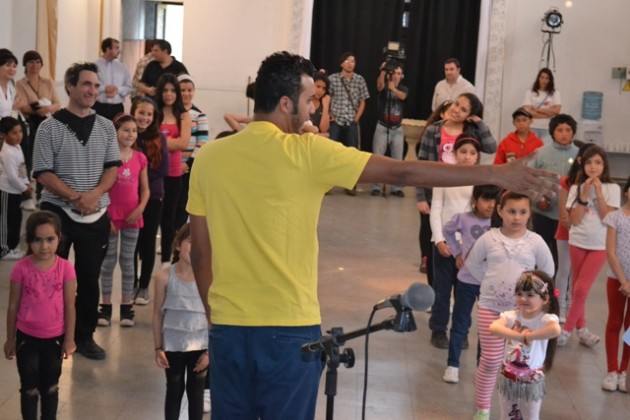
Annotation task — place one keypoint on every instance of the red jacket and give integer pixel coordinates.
(512, 144)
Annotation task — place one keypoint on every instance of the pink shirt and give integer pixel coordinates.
(124, 195)
(41, 312)
(446, 152)
(175, 164)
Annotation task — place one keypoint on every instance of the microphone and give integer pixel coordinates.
(418, 297)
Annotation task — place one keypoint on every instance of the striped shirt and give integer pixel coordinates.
(198, 135)
(79, 164)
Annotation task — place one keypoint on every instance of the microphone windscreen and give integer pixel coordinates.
(418, 297)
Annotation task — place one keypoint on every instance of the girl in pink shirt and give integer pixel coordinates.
(41, 316)
(129, 197)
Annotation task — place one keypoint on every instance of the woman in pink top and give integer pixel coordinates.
(176, 124)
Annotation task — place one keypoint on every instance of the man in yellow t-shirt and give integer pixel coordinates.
(254, 203)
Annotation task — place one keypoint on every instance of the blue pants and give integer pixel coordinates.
(348, 135)
(260, 372)
(465, 296)
(444, 280)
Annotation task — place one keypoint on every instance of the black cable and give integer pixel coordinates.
(365, 377)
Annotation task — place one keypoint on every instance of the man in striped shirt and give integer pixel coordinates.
(75, 159)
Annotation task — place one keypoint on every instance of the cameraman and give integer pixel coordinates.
(391, 101)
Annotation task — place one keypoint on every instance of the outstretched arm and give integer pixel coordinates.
(514, 176)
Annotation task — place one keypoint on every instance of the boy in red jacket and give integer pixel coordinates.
(519, 143)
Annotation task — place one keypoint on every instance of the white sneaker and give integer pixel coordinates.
(587, 338)
(206, 400)
(165, 265)
(621, 383)
(28, 205)
(563, 338)
(14, 254)
(451, 375)
(610, 382)
(142, 297)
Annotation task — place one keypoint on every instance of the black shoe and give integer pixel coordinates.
(89, 349)
(465, 345)
(126, 315)
(439, 339)
(105, 315)
(352, 192)
(375, 193)
(398, 193)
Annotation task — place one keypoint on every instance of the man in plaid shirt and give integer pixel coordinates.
(348, 92)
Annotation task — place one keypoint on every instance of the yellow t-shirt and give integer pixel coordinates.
(261, 192)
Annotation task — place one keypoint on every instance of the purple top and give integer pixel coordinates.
(470, 227)
(156, 176)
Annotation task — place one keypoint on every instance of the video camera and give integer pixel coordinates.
(394, 56)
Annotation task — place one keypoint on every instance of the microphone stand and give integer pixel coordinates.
(329, 345)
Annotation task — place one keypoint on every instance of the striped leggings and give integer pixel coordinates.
(128, 240)
(492, 349)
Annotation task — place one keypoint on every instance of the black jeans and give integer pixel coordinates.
(546, 227)
(108, 111)
(172, 191)
(426, 246)
(145, 249)
(181, 215)
(39, 365)
(90, 242)
(180, 377)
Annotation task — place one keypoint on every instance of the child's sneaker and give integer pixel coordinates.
(105, 315)
(126, 315)
(14, 254)
(451, 375)
(563, 338)
(142, 297)
(482, 415)
(621, 383)
(587, 338)
(610, 381)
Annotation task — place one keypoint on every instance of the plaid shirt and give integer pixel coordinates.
(341, 109)
(432, 138)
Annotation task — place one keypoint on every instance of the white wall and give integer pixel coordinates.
(594, 38)
(224, 43)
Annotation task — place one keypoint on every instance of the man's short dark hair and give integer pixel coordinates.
(163, 45)
(74, 71)
(452, 61)
(562, 119)
(280, 75)
(345, 56)
(108, 43)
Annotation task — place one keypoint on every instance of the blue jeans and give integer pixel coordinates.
(396, 141)
(261, 372)
(348, 135)
(444, 280)
(465, 296)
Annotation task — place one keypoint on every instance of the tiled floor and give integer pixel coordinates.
(369, 250)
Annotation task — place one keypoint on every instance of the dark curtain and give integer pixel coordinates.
(438, 29)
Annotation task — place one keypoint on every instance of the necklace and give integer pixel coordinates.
(126, 158)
